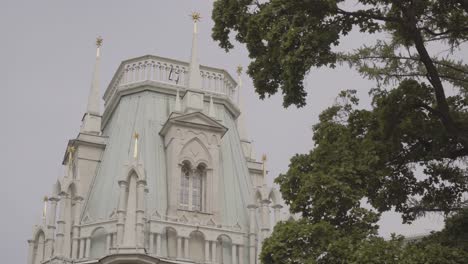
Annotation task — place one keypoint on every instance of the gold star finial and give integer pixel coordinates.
(239, 70)
(264, 158)
(71, 149)
(136, 135)
(195, 16)
(99, 41)
(46, 198)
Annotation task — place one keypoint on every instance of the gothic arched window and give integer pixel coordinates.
(191, 187)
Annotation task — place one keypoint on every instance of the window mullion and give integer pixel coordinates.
(190, 192)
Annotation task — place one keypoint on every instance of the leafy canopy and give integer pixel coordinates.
(365, 155)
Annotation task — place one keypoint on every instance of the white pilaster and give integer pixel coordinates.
(213, 251)
(108, 243)
(234, 254)
(88, 247)
(51, 226)
(82, 248)
(30, 252)
(61, 226)
(151, 243)
(121, 213)
(186, 248)
(179, 247)
(158, 245)
(207, 251)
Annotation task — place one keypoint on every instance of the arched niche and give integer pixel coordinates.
(98, 243)
(224, 249)
(197, 246)
(39, 247)
(169, 238)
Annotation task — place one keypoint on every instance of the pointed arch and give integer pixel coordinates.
(197, 246)
(196, 151)
(169, 236)
(57, 188)
(98, 242)
(39, 246)
(274, 196)
(224, 249)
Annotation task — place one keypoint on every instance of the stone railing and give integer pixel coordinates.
(172, 72)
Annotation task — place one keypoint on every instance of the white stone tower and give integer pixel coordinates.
(161, 176)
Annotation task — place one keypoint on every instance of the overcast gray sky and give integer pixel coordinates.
(46, 58)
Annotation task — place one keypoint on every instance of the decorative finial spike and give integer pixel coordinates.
(99, 40)
(264, 159)
(44, 211)
(136, 136)
(194, 68)
(178, 107)
(211, 110)
(195, 16)
(239, 70)
(71, 151)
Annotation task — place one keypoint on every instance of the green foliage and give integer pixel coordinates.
(407, 152)
(285, 39)
(298, 242)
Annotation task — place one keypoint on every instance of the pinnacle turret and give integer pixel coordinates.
(194, 69)
(92, 118)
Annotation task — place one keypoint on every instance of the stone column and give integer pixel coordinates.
(179, 247)
(40, 250)
(121, 213)
(234, 253)
(82, 247)
(213, 251)
(30, 251)
(61, 226)
(151, 243)
(51, 226)
(276, 213)
(76, 226)
(241, 254)
(158, 245)
(252, 242)
(140, 213)
(207, 251)
(108, 243)
(186, 247)
(88, 247)
(265, 211)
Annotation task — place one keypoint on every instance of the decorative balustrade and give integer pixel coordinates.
(172, 72)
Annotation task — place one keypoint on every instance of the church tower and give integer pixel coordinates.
(165, 174)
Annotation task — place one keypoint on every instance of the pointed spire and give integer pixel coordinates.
(177, 107)
(92, 119)
(240, 120)
(211, 111)
(194, 69)
(93, 99)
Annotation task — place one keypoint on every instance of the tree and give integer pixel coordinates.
(406, 152)
(359, 153)
(285, 39)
